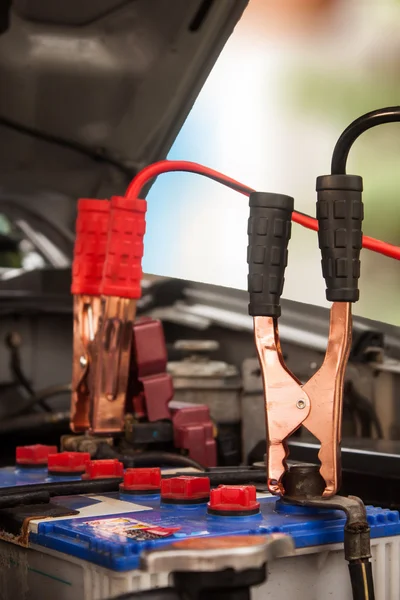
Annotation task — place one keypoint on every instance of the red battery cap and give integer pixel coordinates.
(141, 481)
(103, 469)
(234, 500)
(34, 456)
(68, 463)
(185, 490)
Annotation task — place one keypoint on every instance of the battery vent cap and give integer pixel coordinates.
(141, 481)
(103, 469)
(185, 490)
(68, 463)
(34, 456)
(233, 501)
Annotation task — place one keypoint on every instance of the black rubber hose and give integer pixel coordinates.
(35, 421)
(364, 407)
(21, 498)
(13, 342)
(166, 459)
(148, 459)
(41, 396)
(249, 477)
(341, 151)
(47, 393)
(361, 580)
(64, 488)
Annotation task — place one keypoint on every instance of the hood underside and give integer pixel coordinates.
(93, 91)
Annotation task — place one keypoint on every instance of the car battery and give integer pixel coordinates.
(96, 553)
(92, 551)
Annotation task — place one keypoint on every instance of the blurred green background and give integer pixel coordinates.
(359, 74)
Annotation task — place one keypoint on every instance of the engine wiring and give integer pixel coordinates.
(135, 189)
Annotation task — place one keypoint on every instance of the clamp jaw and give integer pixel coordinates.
(316, 404)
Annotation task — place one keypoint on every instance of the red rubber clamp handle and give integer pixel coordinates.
(122, 273)
(90, 246)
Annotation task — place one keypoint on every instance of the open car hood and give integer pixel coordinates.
(112, 79)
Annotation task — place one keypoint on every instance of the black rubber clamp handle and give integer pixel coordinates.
(269, 229)
(340, 213)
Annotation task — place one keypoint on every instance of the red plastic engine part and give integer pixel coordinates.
(151, 387)
(151, 390)
(194, 432)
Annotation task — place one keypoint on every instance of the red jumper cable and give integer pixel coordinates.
(166, 166)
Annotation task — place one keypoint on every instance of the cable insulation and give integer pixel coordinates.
(136, 186)
(147, 459)
(343, 146)
(362, 584)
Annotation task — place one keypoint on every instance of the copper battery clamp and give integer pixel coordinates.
(316, 404)
(120, 289)
(106, 285)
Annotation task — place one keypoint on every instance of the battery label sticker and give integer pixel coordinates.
(130, 528)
